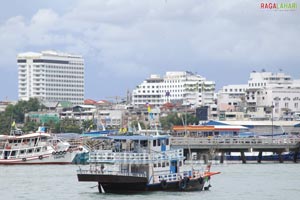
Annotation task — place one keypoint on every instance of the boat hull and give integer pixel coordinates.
(131, 184)
(286, 156)
(62, 158)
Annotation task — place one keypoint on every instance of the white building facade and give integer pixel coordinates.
(231, 97)
(267, 96)
(185, 87)
(51, 76)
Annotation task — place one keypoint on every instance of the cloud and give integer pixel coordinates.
(131, 39)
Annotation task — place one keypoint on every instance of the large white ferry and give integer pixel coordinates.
(144, 162)
(35, 148)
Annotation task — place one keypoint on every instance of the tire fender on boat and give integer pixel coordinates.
(24, 159)
(183, 183)
(53, 153)
(40, 157)
(164, 184)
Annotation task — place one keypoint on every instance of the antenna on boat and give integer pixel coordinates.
(156, 129)
(139, 126)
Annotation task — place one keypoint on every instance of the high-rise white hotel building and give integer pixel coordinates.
(184, 86)
(51, 76)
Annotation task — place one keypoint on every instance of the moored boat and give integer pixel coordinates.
(35, 148)
(144, 162)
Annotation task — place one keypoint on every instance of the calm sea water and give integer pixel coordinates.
(237, 181)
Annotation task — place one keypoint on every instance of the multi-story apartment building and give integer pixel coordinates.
(185, 87)
(266, 96)
(51, 76)
(231, 97)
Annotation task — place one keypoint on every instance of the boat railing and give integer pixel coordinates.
(111, 157)
(232, 140)
(16, 146)
(2, 145)
(177, 176)
(109, 172)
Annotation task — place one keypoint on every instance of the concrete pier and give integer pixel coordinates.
(296, 153)
(220, 146)
(243, 158)
(259, 157)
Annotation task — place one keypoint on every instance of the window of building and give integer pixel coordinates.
(286, 105)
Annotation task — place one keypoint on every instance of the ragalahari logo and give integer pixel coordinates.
(286, 6)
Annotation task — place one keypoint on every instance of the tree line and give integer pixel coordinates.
(14, 117)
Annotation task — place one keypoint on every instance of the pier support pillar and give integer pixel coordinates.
(205, 158)
(243, 157)
(295, 156)
(222, 157)
(259, 157)
(280, 157)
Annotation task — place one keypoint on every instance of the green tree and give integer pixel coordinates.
(68, 125)
(177, 119)
(17, 112)
(30, 126)
(88, 125)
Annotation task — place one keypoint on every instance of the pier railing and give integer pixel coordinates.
(198, 142)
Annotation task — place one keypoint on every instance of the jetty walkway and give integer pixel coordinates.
(201, 145)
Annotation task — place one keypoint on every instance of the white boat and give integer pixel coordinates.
(36, 148)
(144, 162)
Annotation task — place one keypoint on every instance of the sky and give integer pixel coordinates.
(123, 42)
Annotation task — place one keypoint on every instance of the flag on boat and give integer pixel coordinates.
(148, 107)
(13, 124)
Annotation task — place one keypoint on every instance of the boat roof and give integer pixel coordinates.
(137, 137)
(29, 135)
(209, 128)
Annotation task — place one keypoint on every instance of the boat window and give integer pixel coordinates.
(22, 151)
(167, 142)
(29, 150)
(180, 163)
(163, 164)
(13, 153)
(159, 164)
(38, 149)
(154, 165)
(144, 143)
(168, 164)
(154, 143)
(158, 142)
(1, 153)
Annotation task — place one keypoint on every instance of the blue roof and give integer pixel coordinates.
(68, 135)
(297, 125)
(136, 137)
(214, 123)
